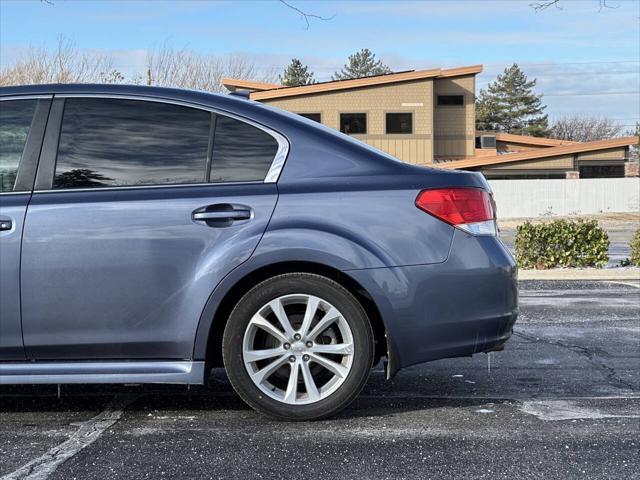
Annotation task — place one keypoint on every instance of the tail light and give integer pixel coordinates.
(469, 209)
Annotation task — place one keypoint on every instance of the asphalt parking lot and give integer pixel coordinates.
(562, 401)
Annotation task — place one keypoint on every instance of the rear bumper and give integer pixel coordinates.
(464, 305)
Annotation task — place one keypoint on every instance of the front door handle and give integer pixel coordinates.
(5, 224)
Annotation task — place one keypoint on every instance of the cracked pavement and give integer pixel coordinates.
(562, 401)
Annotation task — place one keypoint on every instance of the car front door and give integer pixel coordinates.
(140, 208)
(22, 123)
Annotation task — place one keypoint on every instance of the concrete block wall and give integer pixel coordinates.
(540, 198)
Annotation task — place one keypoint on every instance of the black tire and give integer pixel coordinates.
(298, 283)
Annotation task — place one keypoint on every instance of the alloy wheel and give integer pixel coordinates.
(298, 349)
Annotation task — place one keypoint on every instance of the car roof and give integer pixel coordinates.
(230, 103)
(60, 88)
(194, 96)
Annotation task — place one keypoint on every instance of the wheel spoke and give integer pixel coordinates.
(261, 322)
(292, 386)
(337, 368)
(281, 315)
(331, 316)
(262, 374)
(255, 355)
(309, 382)
(310, 312)
(338, 348)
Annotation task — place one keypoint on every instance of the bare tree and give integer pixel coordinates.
(63, 64)
(543, 5)
(634, 151)
(306, 16)
(184, 68)
(585, 129)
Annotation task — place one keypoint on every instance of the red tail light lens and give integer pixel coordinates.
(457, 206)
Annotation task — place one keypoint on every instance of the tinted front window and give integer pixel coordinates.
(113, 142)
(15, 121)
(241, 152)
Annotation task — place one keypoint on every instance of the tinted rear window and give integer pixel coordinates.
(15, 121)
(117, 142)
(241, 152)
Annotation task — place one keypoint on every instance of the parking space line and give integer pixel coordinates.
(42, 467)
(624, 283)
(554, 410)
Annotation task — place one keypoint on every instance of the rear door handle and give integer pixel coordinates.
(221, 214)
(5, 224)
(232, 215)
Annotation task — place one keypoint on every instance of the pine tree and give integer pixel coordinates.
(510, 104)
(361, 64)
(634, 151)
(296, 74)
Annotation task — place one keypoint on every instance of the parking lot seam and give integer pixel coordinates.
(88, 432)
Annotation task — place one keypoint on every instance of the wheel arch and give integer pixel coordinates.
(208, 344)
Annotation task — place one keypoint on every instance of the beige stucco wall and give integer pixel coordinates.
(516, 147)
(455, 129)
(562, 162)
(376, 101)
(611, 154)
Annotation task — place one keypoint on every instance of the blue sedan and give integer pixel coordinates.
(148, 235)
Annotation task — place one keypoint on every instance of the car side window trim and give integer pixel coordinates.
(44, 178)
(48, 154)
(25, 176)
(212, 136)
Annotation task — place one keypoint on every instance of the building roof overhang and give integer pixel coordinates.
(541, 153)
(260, 92)
(234, 84)
(527, 139)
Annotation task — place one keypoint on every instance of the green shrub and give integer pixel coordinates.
(635, 249)
(561, 243)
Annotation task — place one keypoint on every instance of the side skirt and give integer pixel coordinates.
(181, 372)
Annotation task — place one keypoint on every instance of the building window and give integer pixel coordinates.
(353, 123)
(399, 123)
(450, 100)
(601, 171)
(311, 116)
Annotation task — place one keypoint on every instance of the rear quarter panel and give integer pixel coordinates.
(355, 227)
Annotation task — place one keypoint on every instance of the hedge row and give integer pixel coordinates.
(563, 243)
(635, 249)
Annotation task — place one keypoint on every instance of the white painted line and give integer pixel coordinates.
(625, 283)
(515, 398)
(554, 410)
(43, 467)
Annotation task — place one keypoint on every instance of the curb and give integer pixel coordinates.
(632, 273)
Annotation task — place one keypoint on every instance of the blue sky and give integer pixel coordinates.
(574, 52)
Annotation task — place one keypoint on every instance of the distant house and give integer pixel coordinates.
(504, 156)
(427, 117)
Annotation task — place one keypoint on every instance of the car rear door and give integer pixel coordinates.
(22, 121)
(140, 208)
